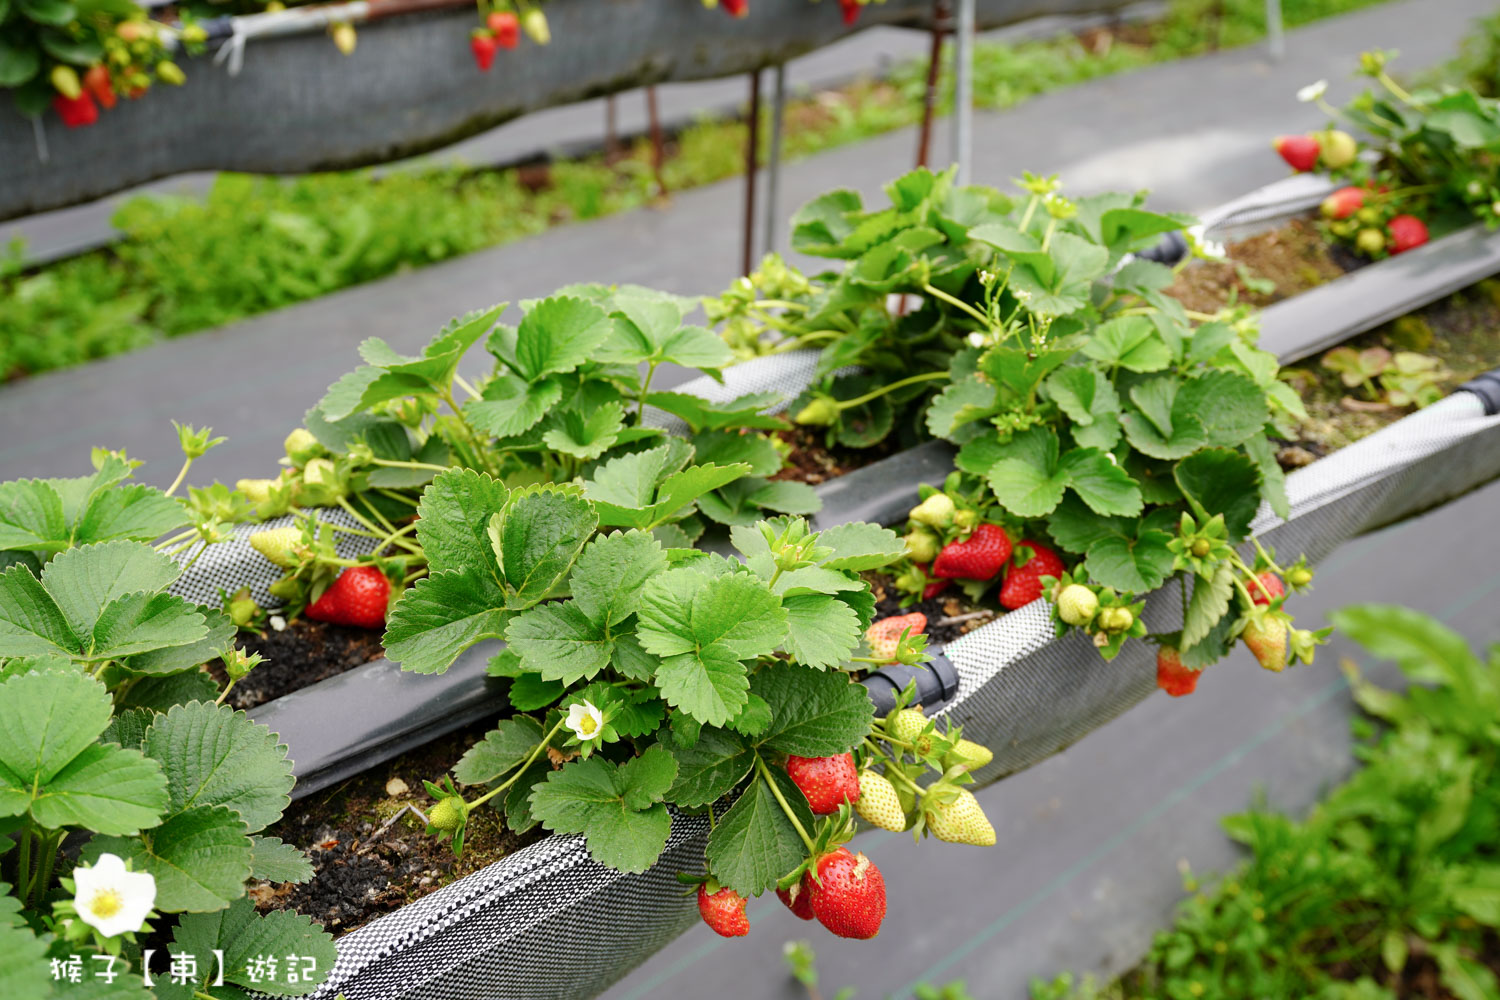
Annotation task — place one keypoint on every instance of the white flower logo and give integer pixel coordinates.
(585, 720)
(111, 899)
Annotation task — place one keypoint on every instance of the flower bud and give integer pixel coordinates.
(821, 412)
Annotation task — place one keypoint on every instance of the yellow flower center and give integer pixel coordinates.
(106, 903)
(587, 725)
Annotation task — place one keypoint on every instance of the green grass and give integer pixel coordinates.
(253, 244)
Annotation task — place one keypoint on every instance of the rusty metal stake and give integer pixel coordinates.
(658, 147)
(773, 158)
(752, 156)
(934, 73)
(611, 134)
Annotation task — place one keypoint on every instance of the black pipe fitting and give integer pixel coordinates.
(937, 683)
(1487, 388)
(1170, 249)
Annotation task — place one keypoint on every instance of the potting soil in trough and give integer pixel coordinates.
(810, 460)
(301, 654)
(1264, 268)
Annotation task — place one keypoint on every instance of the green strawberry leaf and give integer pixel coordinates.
(275, 861)
(822, 631)
(1208, 605)
(611, 573)
(503, 748)
(213, 755)
(1220, 481)
(1272, 478)
(813, 714)
(1230, 406)
(560, 643)
(859, 546)
(1091, 403)
(528, 692)
(650, 330)
(708, 769)
(1135, 560)
(1031, 479)
(587, 437)
(754, 844)
(23, 961)
(453, 520)
(52, 768)
(555, 336)
(443, 615)
(200, 858)
(643, 489)
(509, 404)
(1130, 342)
(176, 659)
(245, 938)
(821, 227)
(618, 810)
(730, 447)
(701, 415)
(961, 402)
(536, 538)
(50, 515)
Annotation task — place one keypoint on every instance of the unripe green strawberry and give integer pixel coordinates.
(907, 727)
(1300, 577)
(878, 804)
(935, 512)
(961, 821)
(242, 611)
(1116, 619)
(1077, 604)
(922, 546)
(821, 412)
(279, 545)
(447, 814)
(257, 491)
(968, 753)
(1336, 149)
(1266, 638)
(321, 472)
(1369, 242)
(300, 446)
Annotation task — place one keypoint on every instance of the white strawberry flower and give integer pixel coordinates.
(1312, 92)
(585, 720)
(110, 898)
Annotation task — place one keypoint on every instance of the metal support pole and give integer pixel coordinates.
(934, 73)
(658, 147)
(1275, 31)
(611, 132)
(752, 149)
(773, 161)
(963, 90)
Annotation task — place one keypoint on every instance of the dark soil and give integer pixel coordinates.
(303, 653)
(811, 461)
(940, 610)
(362, 873)
(1294, 259)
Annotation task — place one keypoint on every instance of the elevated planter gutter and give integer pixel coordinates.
(411, 86)
(550, 922)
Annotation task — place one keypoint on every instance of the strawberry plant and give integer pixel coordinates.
(1108, 439)
(114, 737)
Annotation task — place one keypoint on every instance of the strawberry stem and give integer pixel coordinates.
(535, 753)
(765, 773)
(847, 404)
(936, 292)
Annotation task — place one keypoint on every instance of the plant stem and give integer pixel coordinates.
(960, 303)
(399, 497)
(535, 753)
(394, 464)
(640, 406)
(465, 386)
(765, 774)
(45, 863)
(181, 475)
(23, 871)
(849, 404)
(779, 304)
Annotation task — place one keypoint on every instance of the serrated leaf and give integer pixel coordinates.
(754, 718)
(624, 498)
(559, 642)
(821, 631)
(961, 401)
(1230, 407)
(245, 937)
(1090, 401)
(453, 519)
(200, 858)
(618, 810)
(441, 616)
(511, 405)
(51, 767)
(731, 446)
(141, 623)
(1136, 563)
(638, 713)
(1027, 481)
(214, 755)
(503, 748)
(557, 335)
(1100, 483)
(1272, 477)
(612, 571)
(176, 659)
(157, 694)
(587, 437)
(1219, 481)
(1209, 603)
(127, 513)
(23, 962)
(859, 546)
(275, 861)
(31, 623)
(31, 516)
(783, 496)
(529, 692)
(536, 538)
(754, 844)
(813, 714)
(701, 415)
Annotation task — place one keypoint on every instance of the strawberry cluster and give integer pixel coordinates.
(502, 29)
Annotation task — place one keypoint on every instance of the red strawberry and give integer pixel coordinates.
(1171, 676)
(934, 587)
(884, 634)
(798, 898)
(482, 44)
(1299, 151)
(506, 28)
(848, 896)
(76, 112)
(737, 8)
(358, 597)
(1407, 233)
(850, 10)
(723, 911)
(979, 557)
(1268, 589)
(1023, 584)
(1266, 638)
(1343, 203)
(826, 781)
(97, 82)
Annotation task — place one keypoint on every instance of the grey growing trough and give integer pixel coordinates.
(550, 922)
(411, 86)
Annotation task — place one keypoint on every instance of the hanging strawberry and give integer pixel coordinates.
(506, 28)
(482, 44)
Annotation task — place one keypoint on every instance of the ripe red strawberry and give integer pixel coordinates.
(1266, 638)
(1343, 203)
(1268, 589)
(826, 781)
(97, 82)
(76, 112)
(506, 28)
(723, 912)
(737, 8)
(1407, 233)
(798, 898)
(1171, 676)
(358, 597)
(1299, 151)
(849, 895)
(883, 635)
(1023, 584)
(482, 44)
(979, 557)
(850, 10)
